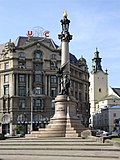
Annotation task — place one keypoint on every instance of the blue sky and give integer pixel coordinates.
(94, 23)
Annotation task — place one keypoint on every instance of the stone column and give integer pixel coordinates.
(45, 86)
(13, 84)
(16, 84)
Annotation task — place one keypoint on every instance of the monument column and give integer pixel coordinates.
(65, 38)
(65, 122)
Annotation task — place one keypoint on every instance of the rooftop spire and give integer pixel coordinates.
(96, 62)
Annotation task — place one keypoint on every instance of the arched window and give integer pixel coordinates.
(37, 55)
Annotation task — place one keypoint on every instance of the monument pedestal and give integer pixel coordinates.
(65, 122)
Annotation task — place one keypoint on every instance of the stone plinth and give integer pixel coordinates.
(65, 122)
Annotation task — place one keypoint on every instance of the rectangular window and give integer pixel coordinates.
(53, 79)
(6, 90)
(21, 91)
(80, 97)
(21, 104)
(21, 65)
(6, 65)
(21, 78)
(53, 92)
(53, 65)
(76, 95)
(76, 85)
(38, 91)
(5, 105)
(38, 67)
(38, 104)
(72, 84)
(6, 78)
(38, 78)
(85, 87)
(53, 56)
(21, 55)
(99, 89)
(86, 97)
(114, 114)
(80, 86)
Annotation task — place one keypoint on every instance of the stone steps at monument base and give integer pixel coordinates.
(53, 133)
(56, 132)
(60, 128)
(57, 148)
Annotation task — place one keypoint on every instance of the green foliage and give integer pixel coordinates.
(116, 139)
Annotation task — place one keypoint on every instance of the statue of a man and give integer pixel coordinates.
(65, 85)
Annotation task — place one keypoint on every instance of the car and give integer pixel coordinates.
(115, 133)
(104, 133)
(100, 133)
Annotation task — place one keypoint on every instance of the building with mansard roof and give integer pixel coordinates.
(28, 84)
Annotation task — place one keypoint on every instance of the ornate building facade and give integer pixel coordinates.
(28, 84)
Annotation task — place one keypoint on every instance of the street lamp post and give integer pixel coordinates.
(31, 106)
(31, 111)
